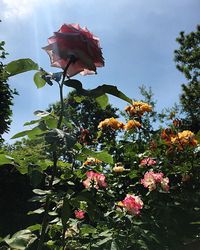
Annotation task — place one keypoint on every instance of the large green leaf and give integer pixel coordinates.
(20, 66)
(39, 81)
(21, 240)
(101, 155)
(97, 92)
(102, 101)
(30, 133)
(5, 159)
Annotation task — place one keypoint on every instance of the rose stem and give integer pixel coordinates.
(45, 221)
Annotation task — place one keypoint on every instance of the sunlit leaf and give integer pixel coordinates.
(87, 229)
(39, 81)
(41, 192)
(30, 133)
(102, 101)
(21, 240)
(5, 159)
(37, 211)
(20, 66)
(41, 113)
(101, 155)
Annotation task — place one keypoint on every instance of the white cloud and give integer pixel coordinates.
(11, 9)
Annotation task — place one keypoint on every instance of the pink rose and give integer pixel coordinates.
(147, 161)
(133, 204)
(151, 180)
(73, 42)
(95, 180)
(79, 214)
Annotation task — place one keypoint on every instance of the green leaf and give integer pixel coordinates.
(103, 241)
(20, 66)
(87, 229)
(195, 223)
(41, 113)
(41, 192)
(35, 227)
(101, 155)
(97, 92)
(37, 211)
(102, 101)
(133, 174)
(5, 159)
(114, 245)
(30, 133)
(32, 122)
(79, 99)
(21, 240)
(66, 211)
(35, 177)
(39, 81)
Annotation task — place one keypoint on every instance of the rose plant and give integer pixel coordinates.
(127, 193)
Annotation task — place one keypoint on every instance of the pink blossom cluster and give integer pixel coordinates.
(133, 204)
(151, 180)
(79, 214)
(95, 180)
(147, 161)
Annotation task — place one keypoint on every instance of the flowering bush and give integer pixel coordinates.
(137, 190)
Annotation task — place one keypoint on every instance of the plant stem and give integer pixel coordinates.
(45, 221)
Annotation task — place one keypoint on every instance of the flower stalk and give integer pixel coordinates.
(45, 221)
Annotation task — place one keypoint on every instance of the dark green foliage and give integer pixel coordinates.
(85, 114)
(190, 103)
(15, 190)
(187, 59)
(6, 96)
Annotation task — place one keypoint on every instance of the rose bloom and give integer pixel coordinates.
(138, 108)
(132, 124)
(79, 214)
(147, 161)
(151, 180)
(183, 138)
(133, 204)
(73, 42)
(112, 123)
(95, 180)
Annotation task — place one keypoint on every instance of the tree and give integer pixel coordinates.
(187, 59)
(6, 96)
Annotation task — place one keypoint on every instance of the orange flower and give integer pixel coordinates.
(112, 123)
(91, 161)
(180, 139)
(138, 108)
(132, 124)
(183, 138)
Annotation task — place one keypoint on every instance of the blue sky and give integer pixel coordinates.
(137, 37)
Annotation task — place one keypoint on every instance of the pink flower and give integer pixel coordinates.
(147, 161)
(151, 180)
(79, 214)
(164, 184)
(95, 180)
(73, 42)
(133, 204)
